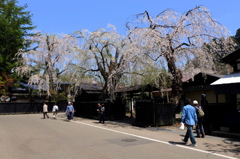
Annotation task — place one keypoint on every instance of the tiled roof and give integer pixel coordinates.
(91, 87)
(137, 88)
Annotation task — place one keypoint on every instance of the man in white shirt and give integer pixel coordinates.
(55, 111)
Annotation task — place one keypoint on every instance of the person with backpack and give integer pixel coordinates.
(101, 112)
(200, 115)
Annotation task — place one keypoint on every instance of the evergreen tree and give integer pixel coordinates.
(236, 38)
(15, 23)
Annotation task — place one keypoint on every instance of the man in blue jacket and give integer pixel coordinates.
(70, 111)
(189, 117)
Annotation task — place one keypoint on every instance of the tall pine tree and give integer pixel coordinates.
(237, 38)
(15, 24)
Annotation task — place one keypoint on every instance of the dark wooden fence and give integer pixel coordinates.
(16, 108)
(154, 114)
(219, 115)
(113, 111)
(83, 109)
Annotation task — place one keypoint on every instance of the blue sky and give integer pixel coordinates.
(67, 16)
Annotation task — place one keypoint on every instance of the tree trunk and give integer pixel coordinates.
(177, 79)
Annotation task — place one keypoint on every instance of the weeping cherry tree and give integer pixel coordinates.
(174, 39)
(50, 56)
(109, 56)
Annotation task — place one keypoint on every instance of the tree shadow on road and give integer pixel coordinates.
(119, 123)
(228, 145)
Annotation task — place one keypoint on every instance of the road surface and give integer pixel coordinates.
(29, 136)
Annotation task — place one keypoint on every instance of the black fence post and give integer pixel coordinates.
(207, 124)
(108, 109)
(154, 113)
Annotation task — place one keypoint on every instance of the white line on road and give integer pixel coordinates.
(164, 142)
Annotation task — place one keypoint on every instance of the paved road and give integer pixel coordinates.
(31, 137)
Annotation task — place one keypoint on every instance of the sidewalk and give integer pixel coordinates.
(168, 134)
(171, 129)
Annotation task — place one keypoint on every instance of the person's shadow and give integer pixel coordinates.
(176, 143)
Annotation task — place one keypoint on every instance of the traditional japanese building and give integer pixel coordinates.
(229, 86)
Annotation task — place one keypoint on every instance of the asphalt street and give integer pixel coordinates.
(29, 136)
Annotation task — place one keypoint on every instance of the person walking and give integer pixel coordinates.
(189, 117)
(199, 127)
(101, 113)
(55, 111)
(45, 110)
(69, 111)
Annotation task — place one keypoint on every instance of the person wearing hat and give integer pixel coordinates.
(70, 111)
(199, 127)
(189, 117)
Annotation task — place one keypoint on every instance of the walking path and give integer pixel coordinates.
(221, 146)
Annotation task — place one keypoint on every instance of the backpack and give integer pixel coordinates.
(102, 110)
(200, 113)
